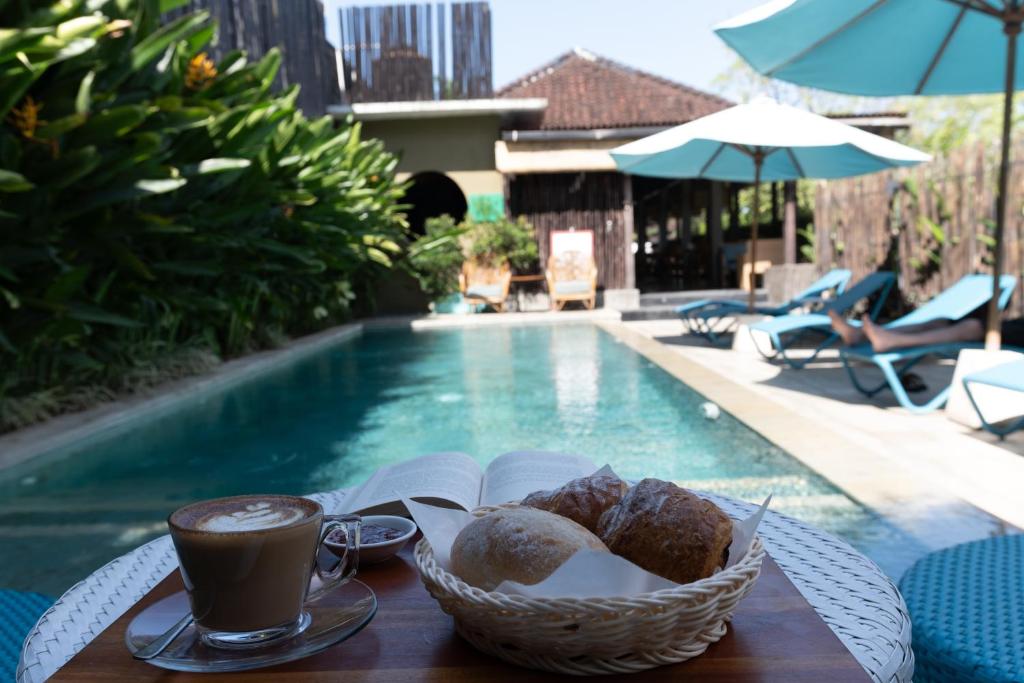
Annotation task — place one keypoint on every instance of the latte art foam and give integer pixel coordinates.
(251, 517)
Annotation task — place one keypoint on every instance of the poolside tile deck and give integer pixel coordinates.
(934, 478)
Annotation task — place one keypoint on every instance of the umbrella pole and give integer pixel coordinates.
(758, 159)
(992, 331)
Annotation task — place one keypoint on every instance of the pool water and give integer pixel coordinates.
(332, 418)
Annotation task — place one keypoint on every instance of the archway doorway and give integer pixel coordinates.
(433, 194)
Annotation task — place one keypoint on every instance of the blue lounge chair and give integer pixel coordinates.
(1006, 376)
(702, 317)
(785, 330)
(971, 292)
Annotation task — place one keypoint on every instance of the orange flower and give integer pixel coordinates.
(26, 117)
(201, 70)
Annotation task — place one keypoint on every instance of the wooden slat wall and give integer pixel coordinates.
(471, 49)
(932, 230)
(390, 53)
(294, 26)
(591, 201)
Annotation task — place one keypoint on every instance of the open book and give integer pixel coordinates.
(455, 479)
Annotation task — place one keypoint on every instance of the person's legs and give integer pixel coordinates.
(851, 335)
(886, 339)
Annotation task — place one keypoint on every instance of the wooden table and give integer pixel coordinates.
(535, 277)
(520, 280)
(775, 636)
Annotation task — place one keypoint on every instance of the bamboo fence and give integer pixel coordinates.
(294, 26)
(417, 51)
(931, 224)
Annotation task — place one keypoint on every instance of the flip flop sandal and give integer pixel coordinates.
(913, 383)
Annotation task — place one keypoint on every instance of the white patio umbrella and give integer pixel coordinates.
(895, 47)
(762, 141)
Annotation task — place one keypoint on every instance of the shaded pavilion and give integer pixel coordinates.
(560, 176)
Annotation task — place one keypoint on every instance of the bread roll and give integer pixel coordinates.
(581, 500)
(668, 531)
(517, 544)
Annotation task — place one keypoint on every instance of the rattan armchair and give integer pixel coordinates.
(488, 285)
(572, 276)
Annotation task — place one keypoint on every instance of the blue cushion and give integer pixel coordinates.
(19, 612)
(572, 287)
(484, 291)
(967, 607)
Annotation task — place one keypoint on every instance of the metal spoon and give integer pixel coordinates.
(160, 643)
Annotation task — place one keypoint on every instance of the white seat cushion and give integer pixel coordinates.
(572, 287)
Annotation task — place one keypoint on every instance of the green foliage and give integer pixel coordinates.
(932, 234)
(742, 83)
(150, 199)
(809, 248)
(942, 124)
(938, 124)
(436, 258)
(494, 242)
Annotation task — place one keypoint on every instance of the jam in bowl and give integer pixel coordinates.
(381, 538)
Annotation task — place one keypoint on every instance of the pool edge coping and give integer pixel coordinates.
(61, 431)
(881, 492)
(25, 444)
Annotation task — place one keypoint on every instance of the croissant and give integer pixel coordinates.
(581, 500)
(668, 531)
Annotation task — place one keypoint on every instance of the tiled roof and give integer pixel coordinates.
(585, 91)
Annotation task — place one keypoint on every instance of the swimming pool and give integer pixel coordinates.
(330, 419)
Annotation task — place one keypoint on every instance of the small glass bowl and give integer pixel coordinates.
(372, 553)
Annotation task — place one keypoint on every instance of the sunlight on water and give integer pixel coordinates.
(332, 419)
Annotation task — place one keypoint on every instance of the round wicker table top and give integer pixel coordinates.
(850, 593)
(968, 607)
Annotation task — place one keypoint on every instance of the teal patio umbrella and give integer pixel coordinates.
(893, 47)
(762, 141)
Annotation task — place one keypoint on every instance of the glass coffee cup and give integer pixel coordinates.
(247, 563)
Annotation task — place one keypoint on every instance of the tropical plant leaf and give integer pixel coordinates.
(60, 126)
(80, 27)
(14, 40)
(94, 314)
(199, 39)
(208, 166)
(66, 285)
(168, 5)
(16, 80)
(83, 100)
(6, 344)
(153, 214)
(154, 45)
(147, 187)
(112, 123)
(124, 256)
(198, 268)
(72, 166)
(14, 182)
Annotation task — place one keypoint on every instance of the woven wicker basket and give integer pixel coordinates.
(596, 636)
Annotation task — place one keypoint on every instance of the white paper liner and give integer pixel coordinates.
(588, 573)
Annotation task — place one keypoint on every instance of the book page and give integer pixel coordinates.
(452, 478)
(510, 477)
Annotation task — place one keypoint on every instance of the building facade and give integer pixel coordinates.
(539, 148)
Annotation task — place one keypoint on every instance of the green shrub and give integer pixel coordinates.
(504, 240)
(436, 258)
(151, 200)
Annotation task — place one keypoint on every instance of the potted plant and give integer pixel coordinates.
(437, 258)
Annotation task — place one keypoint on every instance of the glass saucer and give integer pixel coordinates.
(334, 617)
